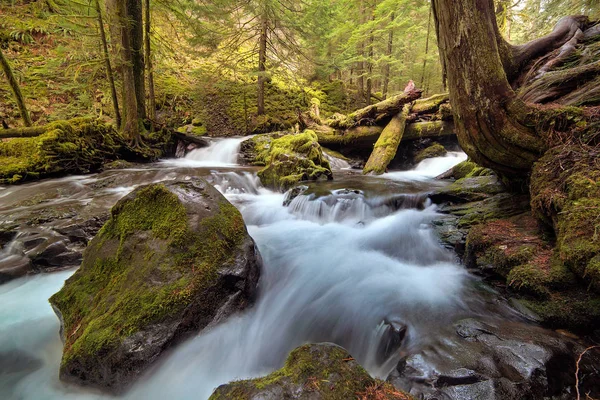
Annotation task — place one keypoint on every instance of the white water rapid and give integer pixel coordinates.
(338, 262)
(220, 153)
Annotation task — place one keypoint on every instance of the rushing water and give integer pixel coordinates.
(339, 260)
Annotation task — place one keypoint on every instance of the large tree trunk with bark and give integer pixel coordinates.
(495, 127)
(387, 68)
(131, 119)
(151, 95)
(14, 85)
(136, 29)
(107, 63)
(262, 63)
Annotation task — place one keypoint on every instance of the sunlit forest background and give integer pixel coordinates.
(205, 56)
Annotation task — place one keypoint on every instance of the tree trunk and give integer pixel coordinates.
(136, 29)
(109, 71)
(151, 95)
(262, 61)
(14, 85)
(387, 68)
(131, 121)
(370, 54)
(489, 119)
(426, 48)
(114, 28)
(387, 145)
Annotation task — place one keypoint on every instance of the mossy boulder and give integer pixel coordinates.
(172, 259)
(469, 169)
(316, 372)
(435, 150)
(287, 159)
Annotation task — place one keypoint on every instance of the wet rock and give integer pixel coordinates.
(502, 205)
(7, 233)
(392, 338)
(469, 190)
(14, 266)
(54, 255)
(487, 361)
(293, 193)
(451, 236)
(171, 259)
(83, 232)
(315, 372)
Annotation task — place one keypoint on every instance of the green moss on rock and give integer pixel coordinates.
(321, 371)
(288, 158)
(151, 272)
(435, 150)
(469, 169)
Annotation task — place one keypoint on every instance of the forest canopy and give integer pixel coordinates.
(255, 62)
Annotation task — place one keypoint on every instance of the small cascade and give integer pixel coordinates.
(221, 152)
(351, 205)
(336, 163)
(429, 168)
(233, 183)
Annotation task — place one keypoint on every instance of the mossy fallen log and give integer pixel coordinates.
(368, 135)
(30, 131)
(375, 112)
(387, 144)
(430, 105)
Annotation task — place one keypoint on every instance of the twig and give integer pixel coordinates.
(577, 370)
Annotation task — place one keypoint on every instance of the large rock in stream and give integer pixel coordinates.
(172, 259)
(313, 372)
(287, 158)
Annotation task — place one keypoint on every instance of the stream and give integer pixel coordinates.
(339, 260)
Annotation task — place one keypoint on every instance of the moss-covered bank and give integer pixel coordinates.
(75, 146)
(565, 193)
(158, 269)
(287, 158)
(317, 372)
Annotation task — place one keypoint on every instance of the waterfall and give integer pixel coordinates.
(220, 153)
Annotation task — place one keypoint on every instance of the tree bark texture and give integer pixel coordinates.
(495, 127)
(387, 68)
(14, 85)
(109, 71)
(262, 63)
(149, 65)
(131, 119)
(136, 29)
(387, 145)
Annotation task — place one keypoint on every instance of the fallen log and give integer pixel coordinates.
(387, 145)
(368, 135)
(201, 141)
(370, 115)
(31, 131)
(430, 105)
